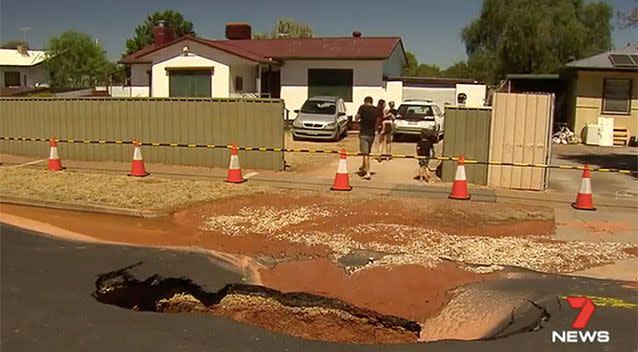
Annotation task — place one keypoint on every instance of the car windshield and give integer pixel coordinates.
(416, 112)
(318, 107)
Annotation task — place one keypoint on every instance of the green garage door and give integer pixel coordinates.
(190, 84)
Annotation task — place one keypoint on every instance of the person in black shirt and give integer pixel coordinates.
(367, 115)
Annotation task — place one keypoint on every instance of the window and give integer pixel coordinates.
(617, 96)
(331, 83)
(12, 79)
(239, 84)
(416, 112)
(190, 83)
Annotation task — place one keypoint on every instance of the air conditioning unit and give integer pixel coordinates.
(592, 134)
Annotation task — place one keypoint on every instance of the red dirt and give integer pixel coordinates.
(631, 251)
(408, 291)
(598, 227)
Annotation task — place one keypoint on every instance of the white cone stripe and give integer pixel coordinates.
(343, 167)
(234, 162)
(585, 186)
(137, 153)
(460, 173)
(54, 153)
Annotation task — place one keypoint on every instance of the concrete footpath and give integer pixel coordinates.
(47, 306)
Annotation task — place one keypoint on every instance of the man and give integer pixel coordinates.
(367, 115)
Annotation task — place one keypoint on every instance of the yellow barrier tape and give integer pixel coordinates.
(600, 301)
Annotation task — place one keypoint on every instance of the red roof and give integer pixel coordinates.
(262, 50)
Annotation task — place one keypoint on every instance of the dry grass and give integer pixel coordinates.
(115, 191)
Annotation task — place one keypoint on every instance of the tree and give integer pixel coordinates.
(286, 27)
(540, 36)
(144, 32)
(627, 19)
(414, 69)
(459, 69)
(75, 60)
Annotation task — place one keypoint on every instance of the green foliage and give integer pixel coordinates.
(75, 60)
(414, 69)
(286, 27)
(538, 36)
(459, 69)
(144, 32)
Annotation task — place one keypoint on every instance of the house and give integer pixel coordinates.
(541, 83)
(291, 69)
(21, 69)
(604, 85)
(442, 91)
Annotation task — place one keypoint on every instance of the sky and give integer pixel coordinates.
(429, 28)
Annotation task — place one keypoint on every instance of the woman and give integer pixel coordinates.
(385, 128)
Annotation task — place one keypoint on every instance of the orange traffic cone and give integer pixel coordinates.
(584, 199)
(55, 164)
(234, 170)
(459, 187)
(137, 165)
(342, 180)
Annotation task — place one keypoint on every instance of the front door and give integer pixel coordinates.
(271, 83)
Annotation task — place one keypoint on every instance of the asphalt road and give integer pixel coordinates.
(46, 306)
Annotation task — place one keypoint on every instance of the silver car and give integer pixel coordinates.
(321, 118)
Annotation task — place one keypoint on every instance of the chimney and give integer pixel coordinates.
(162, 34)
(238, 31)
(356, 34)
(23, 49)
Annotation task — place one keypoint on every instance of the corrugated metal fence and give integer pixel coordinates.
(256, 122)
(467, 132)
(520, 133)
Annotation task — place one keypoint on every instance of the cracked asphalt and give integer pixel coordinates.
(46, 305)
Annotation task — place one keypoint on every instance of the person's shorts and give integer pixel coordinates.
(423, 162)
(365, 144)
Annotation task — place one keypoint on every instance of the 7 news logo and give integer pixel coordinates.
(579, 334)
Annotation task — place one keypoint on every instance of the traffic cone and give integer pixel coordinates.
(459, 187)
(234, 170)
(55, 164)
(342, 180)
(137, 165)
(584, 199)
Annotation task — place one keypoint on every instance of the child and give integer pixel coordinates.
(425, 148)
(385, 135)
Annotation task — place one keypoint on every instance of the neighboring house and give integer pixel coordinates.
(442, 91)
(22, 69)
(291, 69)
(604, 85)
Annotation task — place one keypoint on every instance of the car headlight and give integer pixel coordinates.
(330, 125)
(297, 123)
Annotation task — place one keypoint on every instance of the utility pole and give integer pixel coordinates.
(24, 33)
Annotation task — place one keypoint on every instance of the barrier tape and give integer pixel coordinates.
(322, 151)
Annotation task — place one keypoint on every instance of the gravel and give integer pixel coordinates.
(404, 244)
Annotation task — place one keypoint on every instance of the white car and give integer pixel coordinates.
(417, 116)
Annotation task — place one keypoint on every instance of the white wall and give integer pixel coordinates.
(439, 96)
(367, 81)
(393, 66)
(249, 75)
(219, 80)
(475, 94)
(139, 75)
(393, 91)
(35, 74)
